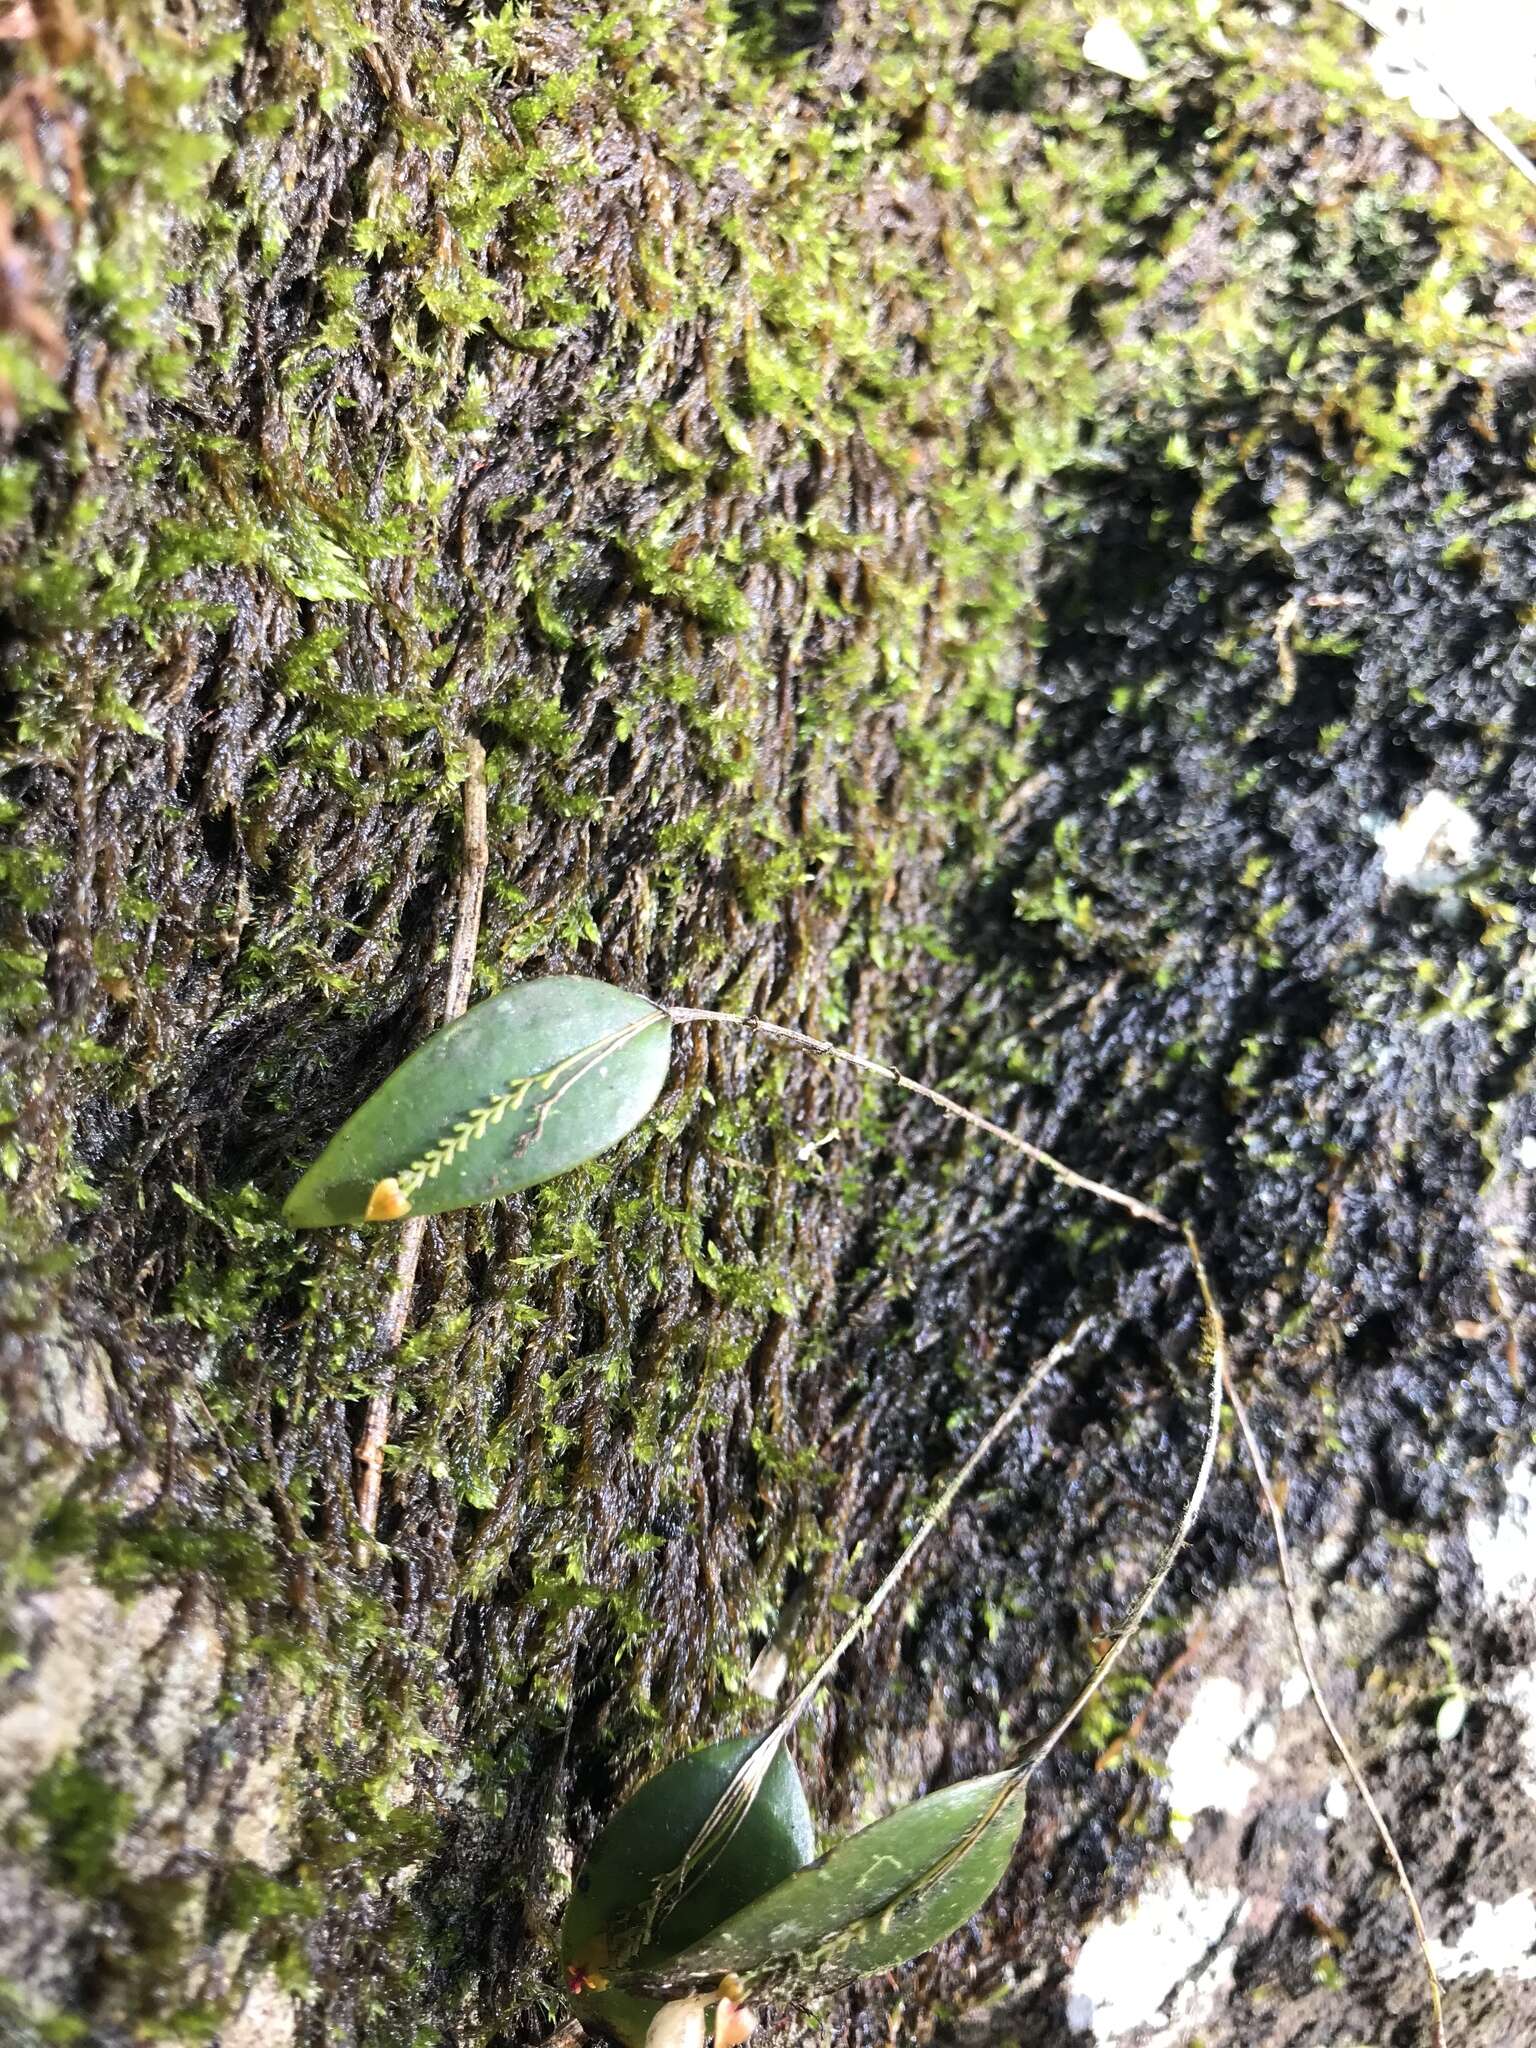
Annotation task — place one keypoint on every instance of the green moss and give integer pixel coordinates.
(193, 2023)
(83, 1817)
(254, 1898)
(802, 381)
(28, 2020)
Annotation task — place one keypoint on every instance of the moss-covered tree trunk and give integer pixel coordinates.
(943, 548)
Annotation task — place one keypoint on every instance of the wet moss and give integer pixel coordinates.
(28, 2023)
(82, 1815)
(780, 439)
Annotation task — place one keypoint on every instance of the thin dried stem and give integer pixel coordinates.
(461, 969)
(1335, 1733)
(1219, 1381)
(803, 1042)
(1215, 1345)
(932, 1520)
(735, 1802)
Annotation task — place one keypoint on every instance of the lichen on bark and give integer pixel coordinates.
(939, 547)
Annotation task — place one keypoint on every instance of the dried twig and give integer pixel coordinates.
(731, 1808)
(804, 1042)
(461, 968)
(1285, 653)
(1335, 1733)
(1218, 1363)
(1214, 1344)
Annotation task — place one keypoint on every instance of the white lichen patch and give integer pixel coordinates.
(268, 2017)
(1431, 845)
(1108, 46)
(1446, 57)
(88, 1648)
(1518, 1693)
(1163, 1953)
(1205, 1771)
(1499, 1941)
(74, 1384)
(1503, 1546)
(1263, 1741)
(769, 1671)
(1294, 1690)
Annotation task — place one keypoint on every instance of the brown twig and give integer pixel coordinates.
(804, 1042)
(1218, 1361)
(735, 1801)
(731, 1808)
(1112, 1752)
(461, 969)
(1285, 653)
(1335, 1733)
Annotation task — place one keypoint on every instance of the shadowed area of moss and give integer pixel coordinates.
(850, 468)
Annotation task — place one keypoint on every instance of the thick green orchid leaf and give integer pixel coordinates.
(877, 1900)
(643, 1846)
(538, 1079)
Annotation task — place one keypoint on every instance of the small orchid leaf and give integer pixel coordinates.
(608, 1921)
(536, 1080)
(875, 1901)
(649, 1838)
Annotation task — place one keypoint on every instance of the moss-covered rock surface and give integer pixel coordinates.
(942, 547)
